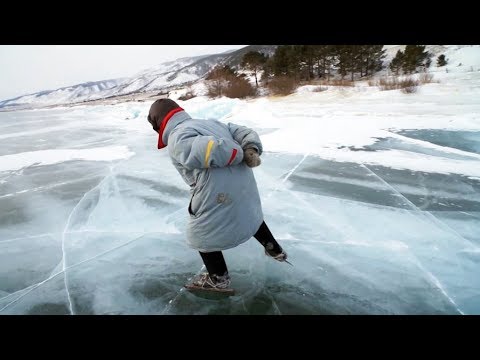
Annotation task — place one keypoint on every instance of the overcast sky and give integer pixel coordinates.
(27, 69)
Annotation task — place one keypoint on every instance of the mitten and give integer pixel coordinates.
(251, 157)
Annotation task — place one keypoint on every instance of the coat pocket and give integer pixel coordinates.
(197, 205)
(190, 207)
(199, 195)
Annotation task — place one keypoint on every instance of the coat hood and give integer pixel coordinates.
(160, 114)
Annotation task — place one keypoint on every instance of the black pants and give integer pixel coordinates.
(215, 262)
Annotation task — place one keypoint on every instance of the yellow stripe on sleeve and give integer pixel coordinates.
(209, 150)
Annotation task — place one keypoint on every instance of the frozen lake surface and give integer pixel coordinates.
(374, 195)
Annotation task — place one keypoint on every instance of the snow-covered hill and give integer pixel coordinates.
(163, 76)
(172, 74)
(65, 95)
(181, 71)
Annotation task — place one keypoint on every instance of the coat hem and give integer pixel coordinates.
(211, 249)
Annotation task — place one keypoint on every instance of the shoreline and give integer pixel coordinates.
(114, 100)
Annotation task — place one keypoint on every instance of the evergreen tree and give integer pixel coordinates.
(303, 61)
(359, 59)
(267, 69)
(280, 60)
(414, 56)
(343, 59)
(253, 61)
(287, 61)
(325, 58)
(306, 57)
(349, 59)
(295, 63)
(374, 55)
(397, 61)
(441, 61)
(428, 62)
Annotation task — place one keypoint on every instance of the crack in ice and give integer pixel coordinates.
(439, 285)
(170, 304)
(33, 287)
(27, 237)
(46, 187)
(432, 277)
(290, 173)
(76, 232)
(425, 213)
(64, 264)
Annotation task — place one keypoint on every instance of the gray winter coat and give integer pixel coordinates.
(225, 208)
